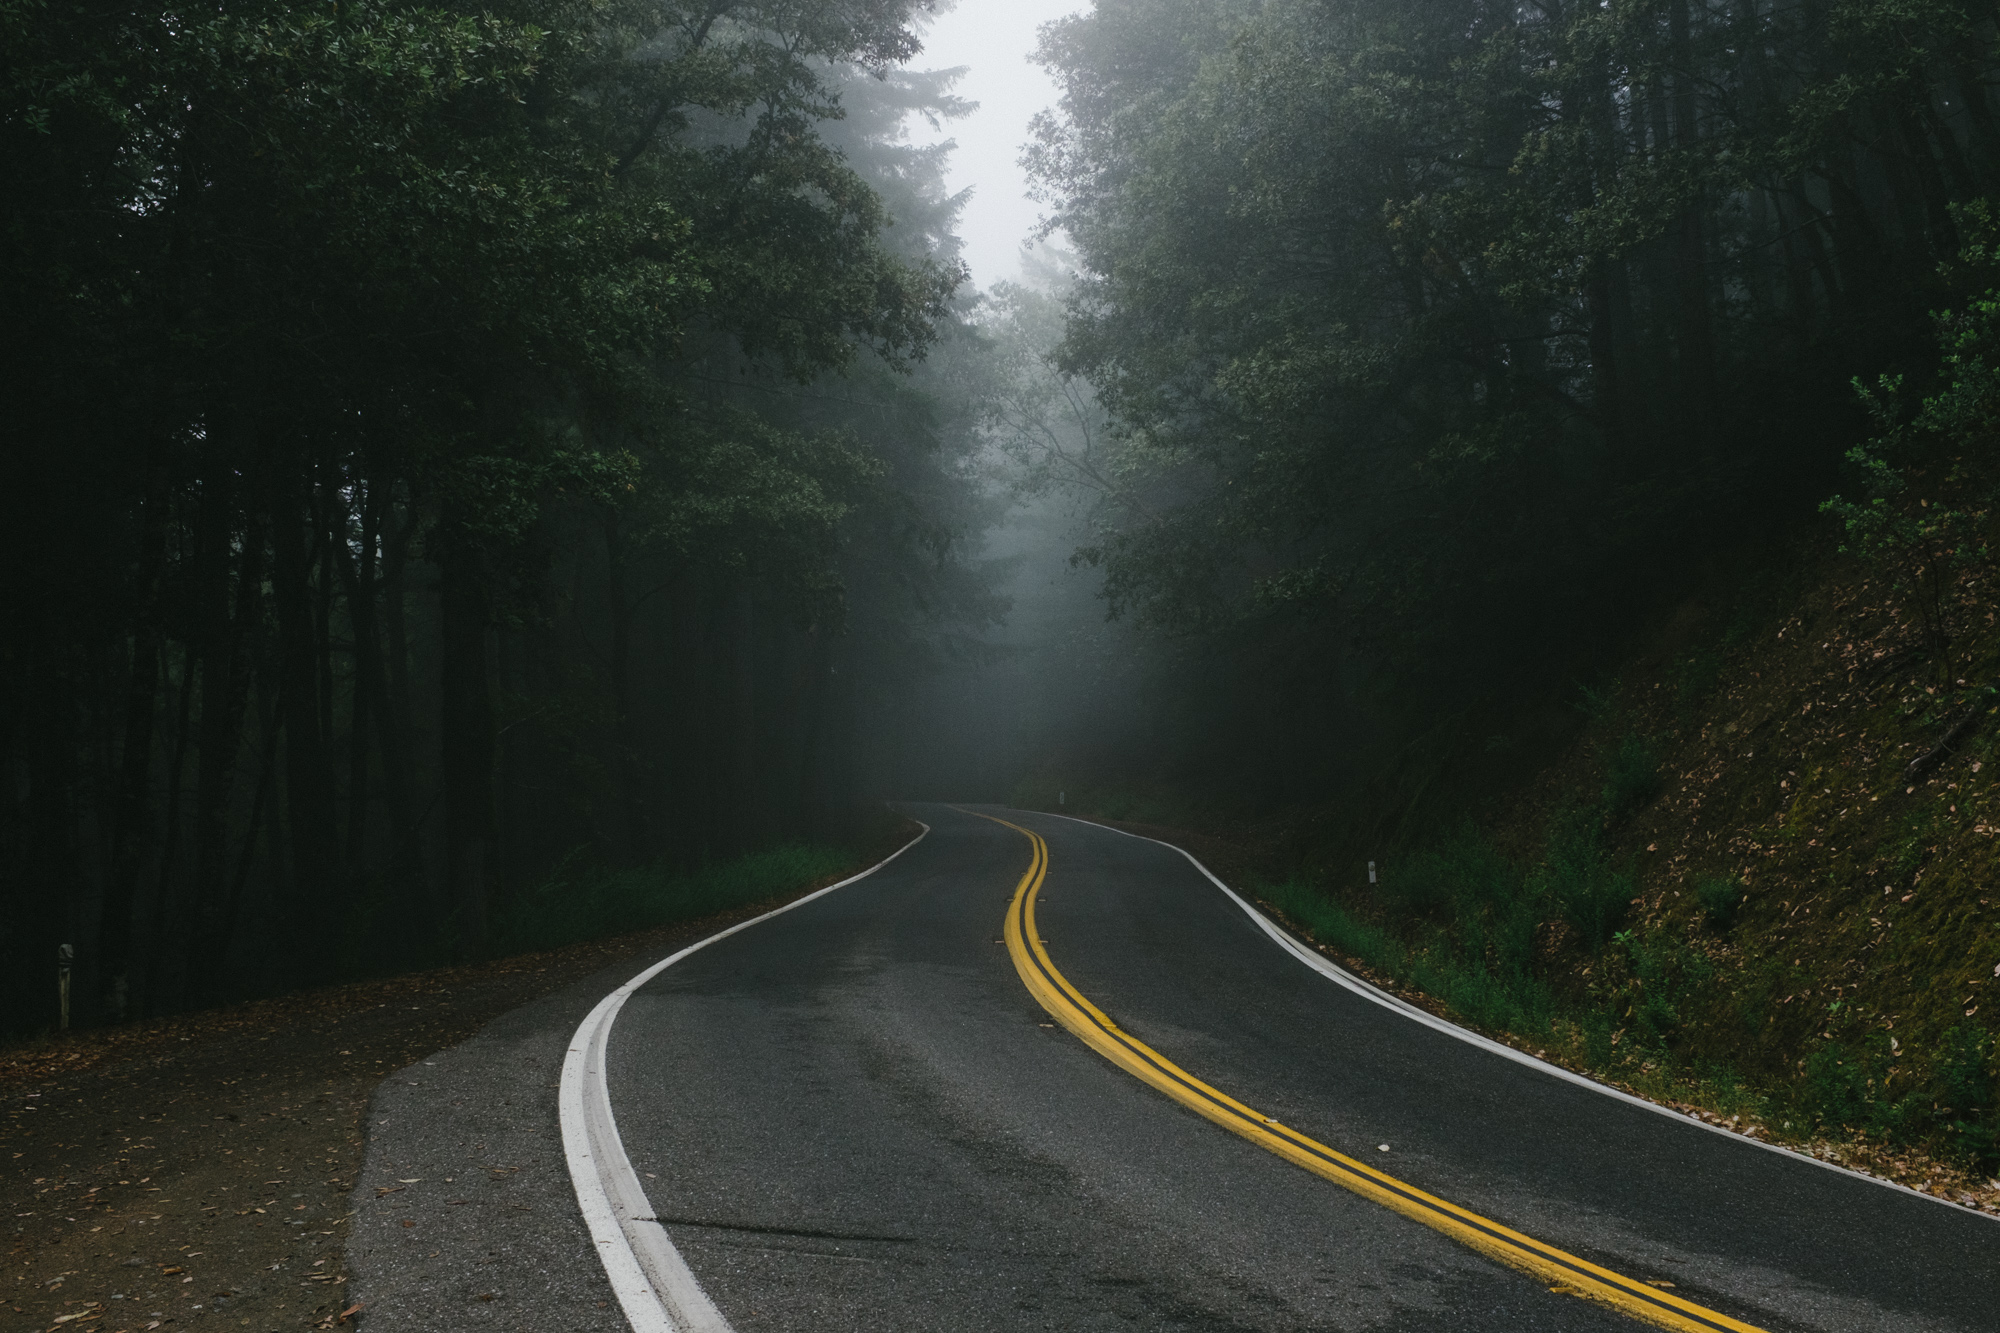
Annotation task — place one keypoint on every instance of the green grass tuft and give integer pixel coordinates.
(573, 907)
(1720, 897)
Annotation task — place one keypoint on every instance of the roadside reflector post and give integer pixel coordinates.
(1062, 798)
(1371, 872)
(65, 955)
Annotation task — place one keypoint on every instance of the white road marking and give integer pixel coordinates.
(655, 1287)
(1342, 977)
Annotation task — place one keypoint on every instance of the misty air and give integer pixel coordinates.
(718, 666)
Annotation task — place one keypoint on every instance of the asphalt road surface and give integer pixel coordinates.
(857, 1115)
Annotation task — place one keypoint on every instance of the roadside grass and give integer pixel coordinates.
(1688, 982)
(1479, 962)
(584, 904)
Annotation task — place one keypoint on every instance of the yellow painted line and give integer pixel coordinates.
(1563, 1272)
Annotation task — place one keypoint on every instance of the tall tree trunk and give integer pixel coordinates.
(326, 533)
(465, 740)
(1694, 333)
(135, 780)
(225, 688)
(308, 786)
(638, 836)
(38, 880)
(813, 668)
(133, 827)
(211, 984)
(743, 792)
(1603, 351)
(1864, 260)
(357, 575)
(174, 925)
(1973, 96)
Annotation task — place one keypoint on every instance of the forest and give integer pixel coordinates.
(1547, 454)
(457, 447)
(446, 443)
(1440, 338)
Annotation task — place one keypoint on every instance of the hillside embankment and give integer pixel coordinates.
(1757, 878)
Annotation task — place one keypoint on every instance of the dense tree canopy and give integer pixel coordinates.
(1439, 328)
(451, 442)
(447, 440)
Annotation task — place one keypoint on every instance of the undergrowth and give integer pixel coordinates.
(578, 905)
(1764, 875)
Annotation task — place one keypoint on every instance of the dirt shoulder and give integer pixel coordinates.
(197, 1170)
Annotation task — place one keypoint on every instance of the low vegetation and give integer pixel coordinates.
(1760, 875)
(595, 903)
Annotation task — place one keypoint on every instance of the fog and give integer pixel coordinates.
(993, 43)
(1055, 686)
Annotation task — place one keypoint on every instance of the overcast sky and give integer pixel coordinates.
(993, 39)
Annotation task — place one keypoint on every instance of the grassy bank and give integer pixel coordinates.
(592, 904)
(1727, 890)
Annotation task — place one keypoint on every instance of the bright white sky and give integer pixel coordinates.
(993, 39)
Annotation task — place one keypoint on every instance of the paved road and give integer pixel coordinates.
(855, 1116)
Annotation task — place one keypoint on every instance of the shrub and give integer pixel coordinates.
(1835, 1089)
(1633, 777)
(1576, 877)
(1720, 896)
(575, 906)
(1668, 972)
(1966, 1090)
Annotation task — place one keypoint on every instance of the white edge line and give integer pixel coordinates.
(655, 1287)
(1341, 976)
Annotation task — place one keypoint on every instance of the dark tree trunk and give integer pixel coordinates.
(225, 687)
(465, 756)
(811, 725)
(743, 715)
(1694, 333)
(625, 745)
(1973, 95)
(1863, 258)
(357, 573)
(308, 788)
(41, 878)
(132, 829)
(211, 986)
(121, 889)
(325, 534)
(175, 922)
(1603, 351)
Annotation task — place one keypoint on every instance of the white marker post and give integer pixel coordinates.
(1371, 872)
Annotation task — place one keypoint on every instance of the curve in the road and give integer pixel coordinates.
(655, 1288)
(1565, 1272)
(1396, 1005)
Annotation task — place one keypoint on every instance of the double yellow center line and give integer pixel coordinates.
(1563, 1272)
